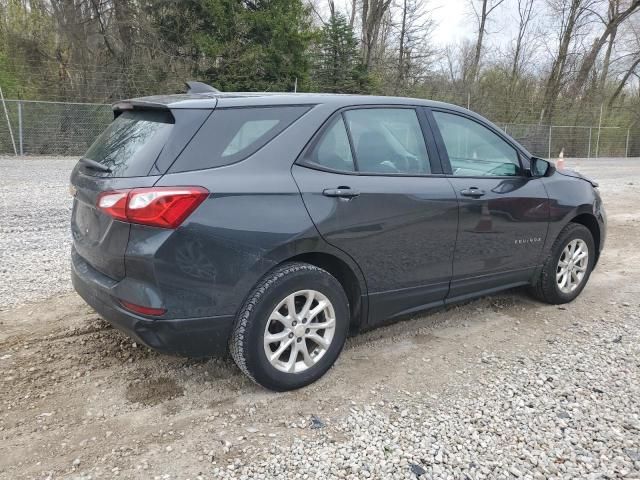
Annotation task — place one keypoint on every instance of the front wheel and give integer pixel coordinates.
(567, 270)
(291, 328)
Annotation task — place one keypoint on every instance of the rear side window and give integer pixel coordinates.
(131, 143)
(233, 134)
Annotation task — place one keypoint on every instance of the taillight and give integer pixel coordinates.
(165, 207)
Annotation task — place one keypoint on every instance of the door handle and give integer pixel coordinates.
(474, 192)
(341, 192)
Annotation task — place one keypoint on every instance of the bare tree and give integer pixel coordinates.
(373, 12)
(403, 43)
(352, 15)
(606, 63)
(525, 16)
(487, 7)
(521, 50)
(572, 17)
(457, 58)
(615, 17)
(414, 46)
(633, 71)
(633, 66)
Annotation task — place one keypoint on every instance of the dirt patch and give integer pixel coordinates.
(152, 391)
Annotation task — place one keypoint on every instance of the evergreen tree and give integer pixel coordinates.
(337, 66)
(238, 45)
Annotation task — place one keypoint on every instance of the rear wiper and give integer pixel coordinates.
(87, 162)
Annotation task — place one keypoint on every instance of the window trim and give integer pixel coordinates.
(444, 154)
(427, 136)
(354, 157)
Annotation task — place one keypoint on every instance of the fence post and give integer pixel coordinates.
(21, 149)
(6, 114)
(550, 127)
(589, 152)
(599, 129)
(626, 148)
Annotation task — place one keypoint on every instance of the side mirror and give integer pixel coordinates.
(540, 167)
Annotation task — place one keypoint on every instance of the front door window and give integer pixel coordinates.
(474, 150)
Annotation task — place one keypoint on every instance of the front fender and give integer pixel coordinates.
(572, 198)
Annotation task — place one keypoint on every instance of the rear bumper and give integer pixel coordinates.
(193, 337)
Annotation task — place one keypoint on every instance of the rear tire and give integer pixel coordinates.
(566, 271)
(292, 327)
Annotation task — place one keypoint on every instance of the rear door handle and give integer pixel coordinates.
(474, 192)
(342, 192)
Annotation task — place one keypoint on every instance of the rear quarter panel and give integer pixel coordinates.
(208, 265)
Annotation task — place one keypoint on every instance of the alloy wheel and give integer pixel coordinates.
(299, 331)
(572, 265)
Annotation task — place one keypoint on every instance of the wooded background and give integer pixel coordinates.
(526, 62)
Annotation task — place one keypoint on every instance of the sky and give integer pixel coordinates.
(452, 21)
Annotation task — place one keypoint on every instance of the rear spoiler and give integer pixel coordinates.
(196, 92)
(126, 105)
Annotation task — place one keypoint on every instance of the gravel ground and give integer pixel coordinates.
(34, 228)
(501, 387)
(567, 410)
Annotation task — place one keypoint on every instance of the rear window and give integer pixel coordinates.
(230, 135)
(131, 143)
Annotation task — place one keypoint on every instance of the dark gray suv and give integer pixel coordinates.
(272, 225)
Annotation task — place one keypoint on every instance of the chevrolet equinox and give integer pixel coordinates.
(272, 225)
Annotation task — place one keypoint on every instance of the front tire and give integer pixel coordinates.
(566, 271)
(292, 327)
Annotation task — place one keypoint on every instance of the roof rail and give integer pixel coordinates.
(199, 87)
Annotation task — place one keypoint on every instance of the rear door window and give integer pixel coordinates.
(333, 150)
(388, 140)
(232, 134)
(131, 143)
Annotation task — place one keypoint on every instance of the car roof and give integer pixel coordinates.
(247, 99)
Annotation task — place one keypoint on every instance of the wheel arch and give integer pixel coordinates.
(349, 277)
(591, 223)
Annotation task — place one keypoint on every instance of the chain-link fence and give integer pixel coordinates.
(578, 141)
(59, 128)
(51, 128)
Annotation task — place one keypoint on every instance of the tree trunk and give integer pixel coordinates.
(606, 63)
(624, 81)
(365, 29)
(352, 19)
(554, 82)
(473, 68)
(373, 12)
(403, 31)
